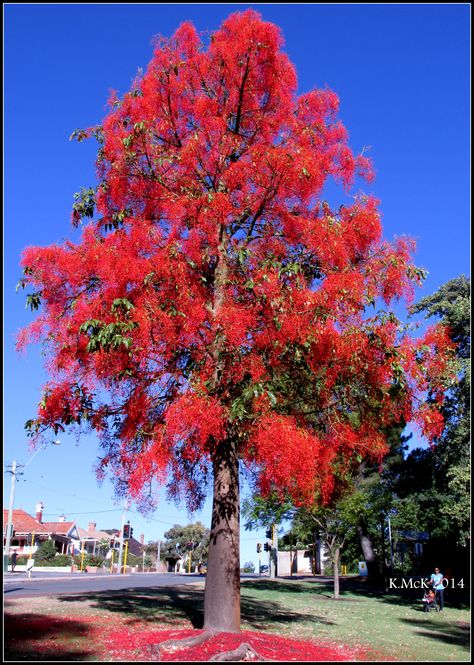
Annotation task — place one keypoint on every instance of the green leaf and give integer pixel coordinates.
(122, 303)
(85, 205)
(79, 135)
(33, 301)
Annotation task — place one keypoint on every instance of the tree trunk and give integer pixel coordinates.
(369, 554)
(222, 591)
(384, 556)
(335, 564)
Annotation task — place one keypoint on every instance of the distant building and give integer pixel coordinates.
(301, 562)
(93, 541)
(30, 532)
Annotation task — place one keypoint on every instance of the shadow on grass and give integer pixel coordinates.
(322, 586)
(454, 634)
(172, 605)
(27, 635)
(169, 605)
(354, 588)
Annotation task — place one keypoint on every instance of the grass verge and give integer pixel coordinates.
(373, 625)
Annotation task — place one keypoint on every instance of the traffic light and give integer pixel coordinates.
(28, 539)
(259, 547)
(126, 531)
(131, 531)
(267, 547)
(269, 534)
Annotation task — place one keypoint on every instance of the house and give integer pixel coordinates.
(302, 562)
(93, 541)
(30, 532)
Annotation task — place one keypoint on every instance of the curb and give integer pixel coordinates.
(86, 576)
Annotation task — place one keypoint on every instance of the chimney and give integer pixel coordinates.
(39, 512)
(91, 526)
(62, 518)
(142, 539)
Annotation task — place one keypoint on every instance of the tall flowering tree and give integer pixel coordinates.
(216, 312)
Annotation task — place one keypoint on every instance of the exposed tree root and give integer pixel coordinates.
(174, 645)
(243, 652)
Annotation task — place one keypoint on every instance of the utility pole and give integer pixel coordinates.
(274, 552)
(8, 535)
(15, 471)
(124, 514)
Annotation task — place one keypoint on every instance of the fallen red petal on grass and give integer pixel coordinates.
(268, 645)
(122, 639)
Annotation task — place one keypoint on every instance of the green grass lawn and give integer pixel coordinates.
(377, 626)
(390, 625)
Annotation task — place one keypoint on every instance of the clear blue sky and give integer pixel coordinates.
(402, 75)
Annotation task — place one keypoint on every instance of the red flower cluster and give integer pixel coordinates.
(213, 295)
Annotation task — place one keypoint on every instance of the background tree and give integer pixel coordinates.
(428, 489)
(248, 567)
(215, 310)
(103, 546)
(436, 480)
(374, 493)
(46, 551)
(175, 545)
(451, 303)
(335, 525)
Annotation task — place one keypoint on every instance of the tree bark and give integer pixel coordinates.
(369, 554)
(222, 590)
(335, 564)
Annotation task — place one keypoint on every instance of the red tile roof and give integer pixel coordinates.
(58, 527)
(24, 523)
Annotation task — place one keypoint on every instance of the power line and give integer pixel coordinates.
(89, 512)
(75, 496)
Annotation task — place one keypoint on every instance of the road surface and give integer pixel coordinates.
(18, 585)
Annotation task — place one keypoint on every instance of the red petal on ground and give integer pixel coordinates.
(131, 640)
(268, 645)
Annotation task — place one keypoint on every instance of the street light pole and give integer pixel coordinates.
(158, 556)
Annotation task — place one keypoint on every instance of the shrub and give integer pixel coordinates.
(249, 567)
(89, 560)
(46, 552)
(61, 560)
(134, 560)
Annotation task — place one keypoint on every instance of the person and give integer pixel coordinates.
(437, 579)
(14, 558)
(429, 600)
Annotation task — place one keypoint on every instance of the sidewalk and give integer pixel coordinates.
(38, 575)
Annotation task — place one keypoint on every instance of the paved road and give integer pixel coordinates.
(18, 585)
